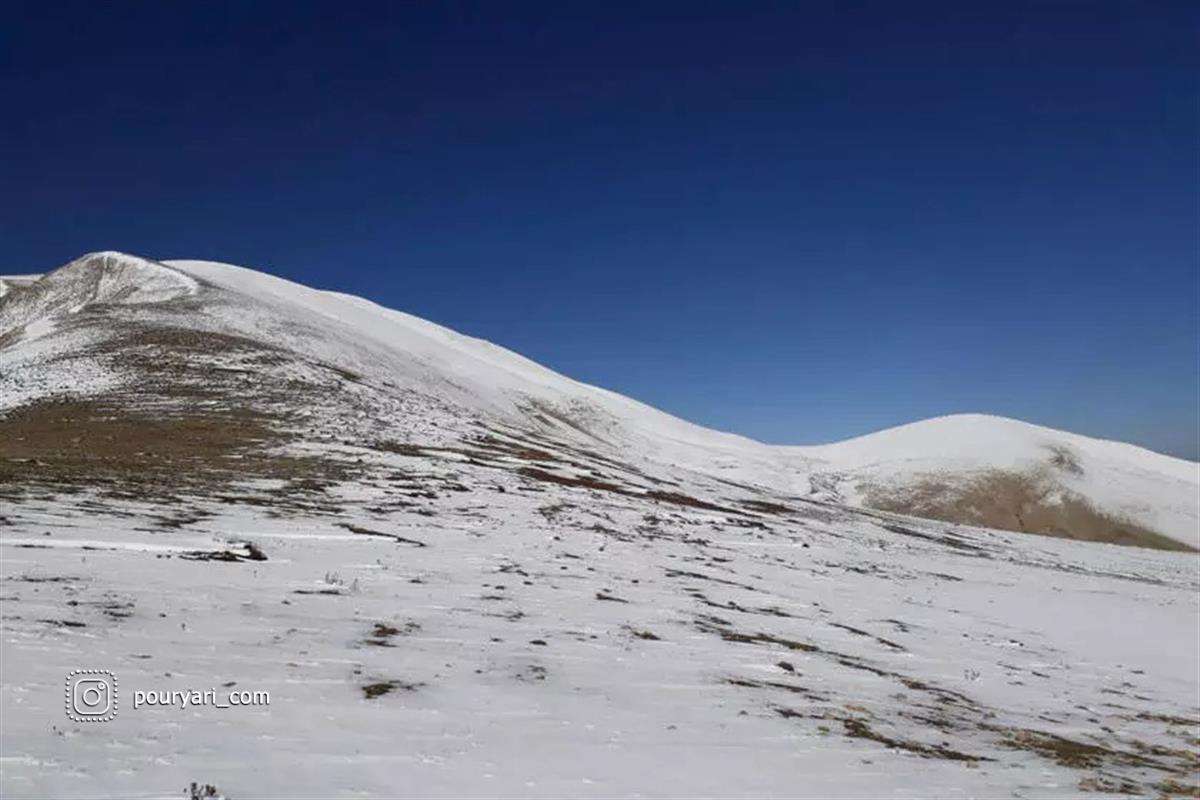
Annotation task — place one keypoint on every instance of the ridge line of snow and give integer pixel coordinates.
(541, 374)
(480, 377)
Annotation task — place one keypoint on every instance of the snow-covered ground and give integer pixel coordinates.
(458, 573)
(554, 641)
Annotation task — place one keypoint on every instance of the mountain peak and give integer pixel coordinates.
(101, 278)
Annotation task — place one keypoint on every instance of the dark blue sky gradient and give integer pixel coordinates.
(798, 221)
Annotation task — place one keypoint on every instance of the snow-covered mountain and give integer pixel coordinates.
(458, 572)
(982, 470)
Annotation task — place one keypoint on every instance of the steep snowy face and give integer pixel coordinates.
(114, 323)
(365, 336)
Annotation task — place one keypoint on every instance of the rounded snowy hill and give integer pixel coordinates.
(1004, 473)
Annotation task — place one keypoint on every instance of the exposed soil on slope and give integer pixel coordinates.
(80, 444)
(1015, 502)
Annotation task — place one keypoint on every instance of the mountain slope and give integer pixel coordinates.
(456, 573)
(969, 468)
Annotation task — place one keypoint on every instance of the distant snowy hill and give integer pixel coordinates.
(458, 573)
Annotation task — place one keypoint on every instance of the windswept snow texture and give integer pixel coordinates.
(458, 573)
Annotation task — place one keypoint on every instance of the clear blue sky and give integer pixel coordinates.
(798, 221)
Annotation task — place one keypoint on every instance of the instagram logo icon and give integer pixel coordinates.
(91, 695)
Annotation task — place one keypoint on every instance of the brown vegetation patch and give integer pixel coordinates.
(945, 539)
(766, 638)
(70, 440)
(869, 635)
(1169, 719)
(373, 690)
(684, 500)
(382, 633)
(105, 445)
(711, 624)
(583, 481)
(184, 422)
(808, 694)
(177, 341)
(1071, 753)
(400, 448)
(395, 537)
(500, 446)
(644, 635)
(859, 729)
(1028, 503)
(1171, 788)
(765, 507)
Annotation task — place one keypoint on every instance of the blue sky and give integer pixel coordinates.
(798, 221)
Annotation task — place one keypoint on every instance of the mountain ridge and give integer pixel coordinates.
(1122, 486)
(924, 421)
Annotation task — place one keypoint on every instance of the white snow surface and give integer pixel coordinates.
(524, 660)
(674, 612)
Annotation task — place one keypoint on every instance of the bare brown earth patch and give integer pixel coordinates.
(102, 444)
(1175, 763)
(857, 728)
(686, 500)
(582, 481)
(1028, 503)
(513, 449)
(196, 412)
